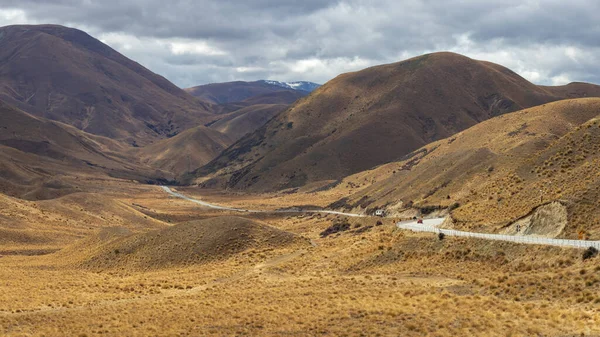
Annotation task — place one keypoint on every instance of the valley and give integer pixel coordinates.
(132, 207)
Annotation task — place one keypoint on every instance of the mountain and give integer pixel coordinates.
(63, 74)
(298, 85)
(375, 116)
(238, 91)
(538, 167)
(243, 107)
(246, 120)
(197, 146)
(182, 153)
(43, 159)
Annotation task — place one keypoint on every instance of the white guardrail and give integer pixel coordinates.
(583, 244)
(428, 225)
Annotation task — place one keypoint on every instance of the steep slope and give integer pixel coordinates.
(377, 115)
(197, 146)
(182, 153)
(539, 166)
(36, 155)
(243, 107)
(246, 120)
(63, 74)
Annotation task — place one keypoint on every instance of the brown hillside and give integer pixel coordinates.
(503, 170)
(231, 92)
(574, 90)
(183, 244)
(63, 74)
(278, 97)
(58, 222)
(374, 116)
(246, 120)
(36, 155)
(182, 153)
(197, 146)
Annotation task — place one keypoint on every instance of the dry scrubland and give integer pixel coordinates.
(276, 275)
(499, 172)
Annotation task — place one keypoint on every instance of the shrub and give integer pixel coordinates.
(441, 236)
(335, 228)
(425, 210)
(589, 253)
(379, 223)
(453, 206)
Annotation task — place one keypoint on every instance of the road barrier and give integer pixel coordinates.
(536, 240)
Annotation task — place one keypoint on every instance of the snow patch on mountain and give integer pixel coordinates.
(298, 85)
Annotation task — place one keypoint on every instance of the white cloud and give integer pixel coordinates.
(560, 79)
(194, 47)
(249, 69)
(13, 16)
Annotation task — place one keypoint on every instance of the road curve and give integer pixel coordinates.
(428, 225)
(225, 208)
(431, 225)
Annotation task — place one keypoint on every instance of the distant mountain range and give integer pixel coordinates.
(238, 91)
(298, 85)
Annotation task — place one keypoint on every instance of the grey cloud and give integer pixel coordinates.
(315, 40)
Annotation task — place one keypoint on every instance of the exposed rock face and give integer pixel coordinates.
(548, 220)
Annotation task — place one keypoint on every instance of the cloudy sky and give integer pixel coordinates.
(198, 41)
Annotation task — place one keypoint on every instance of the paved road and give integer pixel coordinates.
(206, 204)
(428, 225)
(431, 225)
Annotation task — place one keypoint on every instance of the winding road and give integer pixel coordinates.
(428, 225)
(206, 204)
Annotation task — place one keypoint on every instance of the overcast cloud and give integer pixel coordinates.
(195, 42)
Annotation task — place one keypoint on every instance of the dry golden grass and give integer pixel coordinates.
(498, 171)
(369, 280)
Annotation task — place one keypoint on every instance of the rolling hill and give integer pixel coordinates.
(180, 154)
(63, 74)
(41, 159)
(246, 120)
(183, 244)
(197, 146)
(374, 116)
(537, 167)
